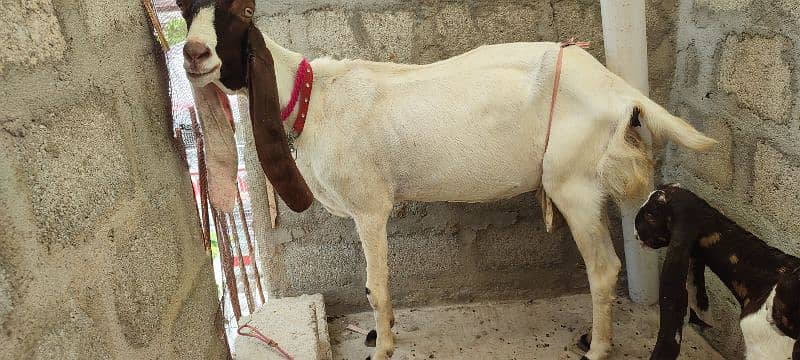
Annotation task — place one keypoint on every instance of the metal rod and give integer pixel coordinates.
(250, 247)
(242, 271)
(227, 263)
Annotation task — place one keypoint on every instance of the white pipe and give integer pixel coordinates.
(625, 41)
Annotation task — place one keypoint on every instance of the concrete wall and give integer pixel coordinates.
(737, 79)
(100, 253)
(438, 252)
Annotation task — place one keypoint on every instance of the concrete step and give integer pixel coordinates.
(297, 324)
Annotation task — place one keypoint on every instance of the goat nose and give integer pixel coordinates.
(195, 50)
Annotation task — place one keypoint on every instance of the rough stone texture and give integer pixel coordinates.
(531, 329)
(100, 253)
(296, 324)
(736, 79)
(776, 190)
(439, 253)
(754, 67)
(30, 34)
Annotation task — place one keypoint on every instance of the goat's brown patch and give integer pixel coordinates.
(740, 289)
(710, 240)
(734, 259)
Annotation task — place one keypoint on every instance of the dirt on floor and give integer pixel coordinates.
(540, 329)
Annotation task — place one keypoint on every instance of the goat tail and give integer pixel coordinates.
(627, 165)
(662, 125)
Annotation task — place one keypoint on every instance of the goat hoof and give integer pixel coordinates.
(372, 338)
(582, 358)
(584, 343)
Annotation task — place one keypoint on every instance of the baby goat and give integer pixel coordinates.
(472, 128)
(764, 280)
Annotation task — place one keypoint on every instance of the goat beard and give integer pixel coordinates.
(219, 145)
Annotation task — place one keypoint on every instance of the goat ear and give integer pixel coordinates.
(272, 144)
(219, 146)
(661, 197)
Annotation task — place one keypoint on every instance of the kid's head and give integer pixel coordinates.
(653, 220)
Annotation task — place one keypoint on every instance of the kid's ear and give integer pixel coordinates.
(661, 196)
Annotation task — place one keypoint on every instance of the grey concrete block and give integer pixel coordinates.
(776, 188)
(754, 69)
(30, 33)
(724, 5)
(195, 310)
(533, 248)
(391, 35)
(6, 295)
(77, 168)
(716, 165)
(332, 33)
(297, 324)
(522, 22)
(455, 24)
(146, 274)
(420, 256)
(75, 338)
(101, 21)
(313, 266)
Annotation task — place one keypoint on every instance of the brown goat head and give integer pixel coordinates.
(225, 49)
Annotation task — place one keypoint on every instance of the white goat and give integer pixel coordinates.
(471, 129)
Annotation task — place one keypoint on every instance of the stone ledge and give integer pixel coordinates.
(297, 324)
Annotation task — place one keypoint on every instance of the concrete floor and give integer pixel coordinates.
(541, 329)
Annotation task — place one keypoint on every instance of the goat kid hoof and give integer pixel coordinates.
(372, 338)
(584, 343)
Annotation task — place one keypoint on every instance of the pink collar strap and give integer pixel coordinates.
(303, 83)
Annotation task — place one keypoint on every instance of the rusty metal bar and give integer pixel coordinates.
(202, 182)
(250, 247)
(242, 271)
(227, 263)
(182, 148)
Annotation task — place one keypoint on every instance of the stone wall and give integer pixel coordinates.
(438, 252)
(737, 79)
(100, 252)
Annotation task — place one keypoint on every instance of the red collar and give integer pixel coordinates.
(303, 83)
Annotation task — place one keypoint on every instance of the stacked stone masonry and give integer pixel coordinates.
(736, 78)
(100, 253)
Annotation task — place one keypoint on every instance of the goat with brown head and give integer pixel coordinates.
(224, 50)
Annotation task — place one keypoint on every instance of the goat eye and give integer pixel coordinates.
(248, 12)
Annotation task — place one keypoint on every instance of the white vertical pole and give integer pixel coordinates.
(625, 40)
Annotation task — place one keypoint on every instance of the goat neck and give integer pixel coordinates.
(286, 62)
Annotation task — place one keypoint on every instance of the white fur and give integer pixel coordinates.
(762, 339)
(472, 129)
(202, 30)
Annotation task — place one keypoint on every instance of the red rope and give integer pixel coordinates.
(254, 333)
(557, 79)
